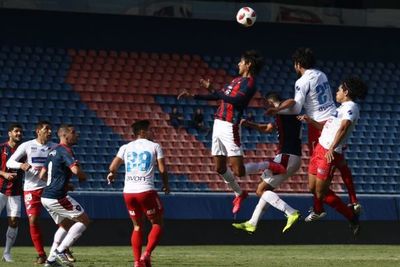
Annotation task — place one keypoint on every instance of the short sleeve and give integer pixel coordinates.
(159, 152)
(300, 92)
(121, 152)
(69, 159)
(351, 113)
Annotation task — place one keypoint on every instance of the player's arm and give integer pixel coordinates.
(289, 107)
(8, 175)
(264, 128)
(13, 161)
(164, 174)
(76, 169)
(305, 118)
(113, 169)
(340, 134)
(186, 94)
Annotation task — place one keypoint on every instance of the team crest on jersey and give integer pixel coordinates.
(350, 112)
(53, 153)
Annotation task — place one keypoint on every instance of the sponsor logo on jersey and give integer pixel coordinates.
(53, 153)
(136, 178)
(41, 160)
(33, 149)
(321, 171)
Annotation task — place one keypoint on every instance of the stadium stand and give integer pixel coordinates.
(104, 91)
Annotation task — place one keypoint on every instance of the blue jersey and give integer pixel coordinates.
(58, 164)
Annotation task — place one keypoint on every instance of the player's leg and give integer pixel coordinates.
(59, 237)
(347, 178)
(33, 209)
(14, 213)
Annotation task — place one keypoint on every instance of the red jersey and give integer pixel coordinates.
(14, 187)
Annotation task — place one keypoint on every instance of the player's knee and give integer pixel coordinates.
(260, 192)
(220, 169)
(13, 222)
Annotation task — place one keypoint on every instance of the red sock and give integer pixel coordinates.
(154, 237)
(318, 205)
(348, 181)
(37, 239)
(335, 202)
(136, 241)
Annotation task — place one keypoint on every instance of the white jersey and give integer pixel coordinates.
(140, 158)
(312, 91)
(347, 111)
(36, 155)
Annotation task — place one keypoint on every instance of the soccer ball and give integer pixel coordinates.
(246, 16)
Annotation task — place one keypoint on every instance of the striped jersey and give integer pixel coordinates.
(13, 187)
(234, 99)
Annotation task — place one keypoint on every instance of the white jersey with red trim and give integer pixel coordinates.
(36, 155)
(140, 158)
(347, 111)
(313, 92)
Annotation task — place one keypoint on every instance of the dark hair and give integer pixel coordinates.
(139, 126)
(40, 124)
(274, 96)
(256, 60)
(304, 57)
(356, 87)
(14, 125)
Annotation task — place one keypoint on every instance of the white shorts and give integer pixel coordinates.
(60, 209)
(292, 164)
(226, 139)
(12, 204)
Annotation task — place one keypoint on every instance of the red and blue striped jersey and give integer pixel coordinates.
(234, 99)
(13, 187)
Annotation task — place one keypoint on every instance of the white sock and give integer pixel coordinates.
(229, 178)
(11, 235)
(275, 201)
(73, 234)
(58, 238)
(255, 167)
(258, 212)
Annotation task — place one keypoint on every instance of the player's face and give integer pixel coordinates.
(72, 137)
(340, 94)
(243, 67)
(44, 133)
(15, 135)
(297, 69)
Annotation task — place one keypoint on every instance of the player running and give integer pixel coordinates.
(312, 91)
(140, 157)
(288, 155)
(36, 152)
(10, 188)
(233, 100)
(328, 152)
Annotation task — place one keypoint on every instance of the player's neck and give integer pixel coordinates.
(12, 144)
(41, 141)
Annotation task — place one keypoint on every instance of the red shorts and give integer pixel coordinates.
(148, 203)
(33, 204)
(313, 135)
(319, 166)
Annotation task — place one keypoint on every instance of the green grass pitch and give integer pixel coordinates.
(232, 256)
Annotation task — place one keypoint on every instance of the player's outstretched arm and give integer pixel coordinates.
(164, 175)
(113, 169)
(264, 128)
(305, 118)
(287, 107)
(8, 175)
(13, 161)
(340, 134)
(77, 170)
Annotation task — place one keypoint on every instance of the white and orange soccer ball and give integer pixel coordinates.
(246, 16)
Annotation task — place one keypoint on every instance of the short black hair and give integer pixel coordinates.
(14, 125)
(304, 57)
(273, 95)
(40, 124)
(256, 60)
(140, 125)
(356, 87)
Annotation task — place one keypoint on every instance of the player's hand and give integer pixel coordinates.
(70, 187)
(34, 171)
(110, 177)
(10, 176)
(271, 111)
(184, 93)
(243, 122)
(205, 83)
(330, 156)
(166, 189)
(304, 118)
(25, 166)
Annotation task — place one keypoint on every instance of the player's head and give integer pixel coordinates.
(303, 58)
(272, 99)
(67, 134)
(251, 62)
(15, 132)
(352, 88)
(141, 129)
(43, 131)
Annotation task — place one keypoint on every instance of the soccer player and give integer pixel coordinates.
(141, 157)
(328, 152)
(312, 91)
(234, 99)
(65, 211)
(10, 188)
(36, 152)
(288, 155)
